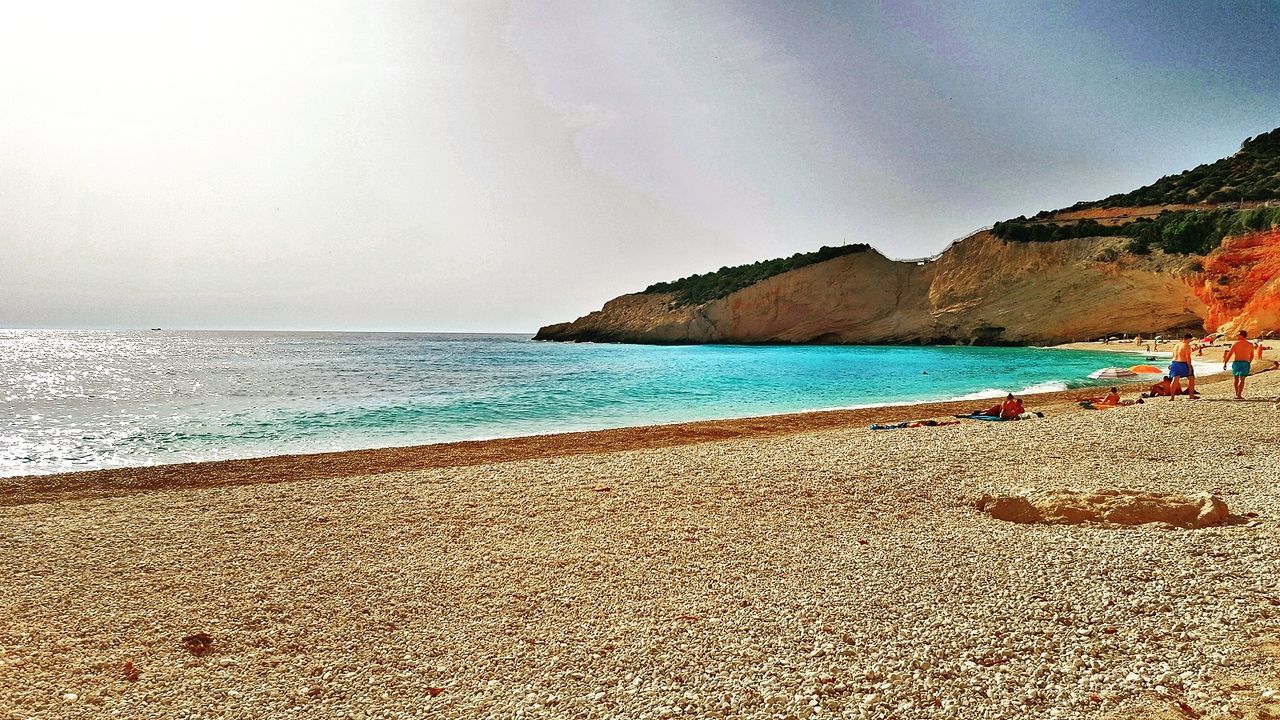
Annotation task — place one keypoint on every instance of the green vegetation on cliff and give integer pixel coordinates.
(698, 289)
(1253, 173)
(1195, 231)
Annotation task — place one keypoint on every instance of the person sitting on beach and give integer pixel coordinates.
(1242, 350)
(1181, 368)
(1164, 388)
(1112, 399)
(1011, 407)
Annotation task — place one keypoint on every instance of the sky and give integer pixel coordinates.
(497, 166)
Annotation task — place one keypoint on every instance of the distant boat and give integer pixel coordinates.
(155, 328)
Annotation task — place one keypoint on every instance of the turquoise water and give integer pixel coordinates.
(74, 400)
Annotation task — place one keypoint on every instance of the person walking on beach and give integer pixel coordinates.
(1181, 368)
(1242, 350)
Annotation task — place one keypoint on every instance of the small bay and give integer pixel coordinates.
(81, 400)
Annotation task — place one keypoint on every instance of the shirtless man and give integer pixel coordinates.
(1161, 388)
(1181, 368)
(1242, 350)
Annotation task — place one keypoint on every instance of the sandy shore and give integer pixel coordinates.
(798, 566)
(1164, 349)
(284, 468)
(1211, 355)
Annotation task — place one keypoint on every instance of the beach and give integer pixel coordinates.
(494, 360)
(788, 566)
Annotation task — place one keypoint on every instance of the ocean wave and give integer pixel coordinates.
(1043, 387)
(1040, 387)
(986, 394)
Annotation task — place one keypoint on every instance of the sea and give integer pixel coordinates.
(82, 400)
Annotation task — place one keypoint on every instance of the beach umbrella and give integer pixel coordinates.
(1112, 373)
(1146, 370)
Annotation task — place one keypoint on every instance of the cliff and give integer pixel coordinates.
(1240, 284)
(1161, 259)
(980, 291)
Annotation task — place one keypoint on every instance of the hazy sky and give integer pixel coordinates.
(456, 166)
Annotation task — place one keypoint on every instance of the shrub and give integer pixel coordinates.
(699, 289)
(1253, 173)
(1184, 232)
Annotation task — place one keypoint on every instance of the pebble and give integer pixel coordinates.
(717, 580)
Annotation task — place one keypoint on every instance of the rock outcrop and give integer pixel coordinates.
(1106, 507)
(1039, 280)
(982, 290)
(1240, 284)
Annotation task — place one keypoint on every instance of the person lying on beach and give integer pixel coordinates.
(1008, 409)
(1242, 351)
(993, 411)
(1024, 415)
(1162, 389)
(914, 424)
(1111, 400)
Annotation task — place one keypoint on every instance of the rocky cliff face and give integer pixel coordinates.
(980, 291)
(1240, 284)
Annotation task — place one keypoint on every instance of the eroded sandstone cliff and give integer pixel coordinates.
(1034, 280)
(982, 290)
(1240, 284)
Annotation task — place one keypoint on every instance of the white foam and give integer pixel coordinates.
(984, 394)
(1047, 386)
(1206, 368)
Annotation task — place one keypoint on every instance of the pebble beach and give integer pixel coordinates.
(789, 567)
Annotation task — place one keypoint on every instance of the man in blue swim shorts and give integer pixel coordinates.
(1242, 352)
(1181, 368)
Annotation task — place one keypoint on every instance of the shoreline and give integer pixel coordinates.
(796, 565)
(110, 482)
(73, 458)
